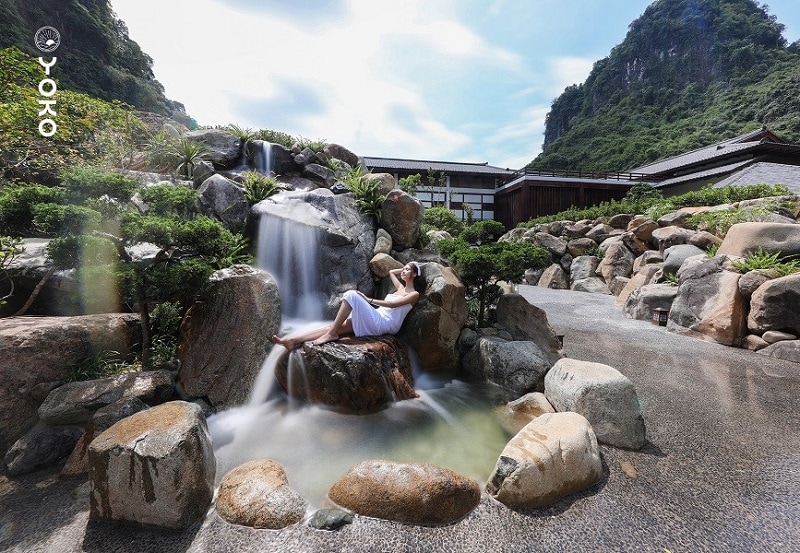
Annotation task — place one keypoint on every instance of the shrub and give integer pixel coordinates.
(763, 260)
(17, 202)
(166, 199)
(53, 219)
(366, 192)
(73, 251)
(258, 187)
(484, 231)
(410, 184)
(82, 183)
(719, 222)
(442, 218)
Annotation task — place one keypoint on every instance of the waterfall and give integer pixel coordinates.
(264, 159)
(288, 251)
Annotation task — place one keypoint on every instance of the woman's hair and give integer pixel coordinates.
(417, 268)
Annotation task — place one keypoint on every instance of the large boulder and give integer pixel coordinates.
(351, 375)
(411, 493)
(788, 350)
(321, 227)
(593, 285)
(708, 304)
(41, 447)
(223, 199)
(583, 266)
(340, 152)
(38, 354)
(641, 278)
(643, 301)
(155, 468)
(434, 324)
(224, 148)
(257, 494)
(555, 277)
(224, 340)
(77, 402)
(555, 245)
(665, 237)
(515, 415)
(774, 306)
(603, 395)
(515, 367)
(675, 256)
(552, 457)
(617, 262)
(528, 322)
(744, 238)
(401, 216)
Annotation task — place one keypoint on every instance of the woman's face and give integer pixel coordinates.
(407, 272)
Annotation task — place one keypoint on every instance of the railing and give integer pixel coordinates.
(580, 174)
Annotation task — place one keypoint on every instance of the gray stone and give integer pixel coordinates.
(788, 350)
(411, 493)
(76, 402)
(600, 232)
(225, 148)
(603, 395)
(649, 257)
(554, 277)
(40, 448)
(385, 182)
(666, 237)
(515, 367)
(674, 219)
(620, 221)
(330, 519)
(528, 322)
(223, 199)
(320, 174)
(579, 246)
(774, 336)
(617, 261)
(556, 246)
(584, 266)
(751, 280)
(257, 494)
(552, 457)
(573, 230)
(593, 285)
(154, 468)
(515, 415)
(383, 242)
(106, 417)
(401, 216)
(674, 257)
(643, 301)
(340, 152)
(774, 306)
(704, 240)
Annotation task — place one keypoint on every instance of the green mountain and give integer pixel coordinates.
(688, 74)
(95, 57)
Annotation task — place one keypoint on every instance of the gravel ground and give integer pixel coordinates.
(721, 471)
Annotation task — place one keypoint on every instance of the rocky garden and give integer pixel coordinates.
(157, 443)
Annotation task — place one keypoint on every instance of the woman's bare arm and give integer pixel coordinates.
(398, 284)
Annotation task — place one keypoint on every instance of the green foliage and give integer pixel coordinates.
(718, 222)
(483, 231)
(410, 184)
(80, 250)
(482, 267)
(53, 219)
(712, 250)
(82, 183)
(762, 260)
(688, 74)
(275, 137)
(242, 133)
(167, 199)
(672, 279)
(643, 192)
(10, 249)
(258, 187)
(100, 365)
(17, 202)
(655, 206)
(442, 218)
(367, 192)
(183, 154)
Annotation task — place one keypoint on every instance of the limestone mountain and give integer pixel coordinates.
(688, 73)
(95, 57)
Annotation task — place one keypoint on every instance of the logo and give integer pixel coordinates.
(47, 39)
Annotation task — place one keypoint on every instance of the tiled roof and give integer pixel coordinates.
(391, 163)
(716, 171)
(766, 173)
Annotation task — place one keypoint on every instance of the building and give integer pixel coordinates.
(453, 185)
(512, 197)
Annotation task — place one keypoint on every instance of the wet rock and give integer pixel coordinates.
(350, 375)
(37, 354)
(401, 216)
(105, 417)
(603, 395)
(257, 494)
(76, 402)
(330, 519)
(40, 448)
(155, 468)
(774, 306)
(224, 341)
(515, 367)
(515, 415)
(552, 457)
(411, 493)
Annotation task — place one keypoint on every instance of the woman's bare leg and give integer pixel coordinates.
(341, 325)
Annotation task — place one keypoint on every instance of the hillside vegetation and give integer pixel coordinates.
(689, 73)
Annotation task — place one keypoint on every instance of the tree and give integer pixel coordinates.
(482, 267)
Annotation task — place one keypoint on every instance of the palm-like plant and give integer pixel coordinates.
(185, 154)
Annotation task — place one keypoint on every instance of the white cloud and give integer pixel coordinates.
(564, 71)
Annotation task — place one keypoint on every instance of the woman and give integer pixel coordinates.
(357, 315)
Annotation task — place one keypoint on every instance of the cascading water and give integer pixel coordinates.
(264, 159)
(449, 424)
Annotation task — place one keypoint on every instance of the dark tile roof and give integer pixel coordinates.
(708, 173)
(766, 173)
(421, 165)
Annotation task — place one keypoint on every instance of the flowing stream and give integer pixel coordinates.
(449, 424)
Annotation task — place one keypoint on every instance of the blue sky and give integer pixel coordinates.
(456, 80)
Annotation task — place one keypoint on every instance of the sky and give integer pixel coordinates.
(452, 80)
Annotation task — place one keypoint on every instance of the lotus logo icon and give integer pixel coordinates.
(47, 39)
